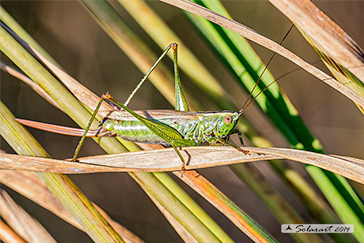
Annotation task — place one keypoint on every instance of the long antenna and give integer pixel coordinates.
(246, 104)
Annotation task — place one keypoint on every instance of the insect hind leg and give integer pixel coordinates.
(131, 96)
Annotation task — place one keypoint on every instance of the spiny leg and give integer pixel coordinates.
(131, 96)
(80, 143)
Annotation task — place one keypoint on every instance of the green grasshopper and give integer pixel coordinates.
(179, 128)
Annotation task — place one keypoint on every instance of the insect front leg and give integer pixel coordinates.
(240, 136)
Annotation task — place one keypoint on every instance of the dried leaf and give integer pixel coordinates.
(324, 33)
(197, 157)
(25, 225)
(8, 235)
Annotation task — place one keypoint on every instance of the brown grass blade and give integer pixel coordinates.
(8, 235)
(351, 168)
(265, 42)
(25, 225)
(20, 75)
(197, 157)
(324, 33)
(30, 186)
(342, 56)
(153, 160)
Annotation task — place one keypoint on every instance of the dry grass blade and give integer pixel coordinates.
(7, 235)
(153, 160)
(25, 225)
(336, 48)
(20, 75)
(30, 186)
(351, 168)
(26, 163)
(80, 91)
(263, 41)
(333, 40)
(197, 157)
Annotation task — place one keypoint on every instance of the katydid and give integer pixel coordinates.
(179, 128)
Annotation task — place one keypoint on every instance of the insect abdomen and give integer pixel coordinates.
(133, 130)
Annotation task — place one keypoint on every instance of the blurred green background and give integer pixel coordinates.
(67, 31)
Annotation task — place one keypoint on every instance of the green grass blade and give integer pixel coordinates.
(9, 21)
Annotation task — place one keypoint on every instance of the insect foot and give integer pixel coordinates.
(183, 170)
(246, 152)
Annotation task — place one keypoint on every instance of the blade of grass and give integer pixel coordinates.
(220, 201)
(324, 34)
(178, 210)
(8, 235)
(192, 205)
(24, 224)
(200, 157)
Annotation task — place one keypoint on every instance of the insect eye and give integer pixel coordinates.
(228, 120)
